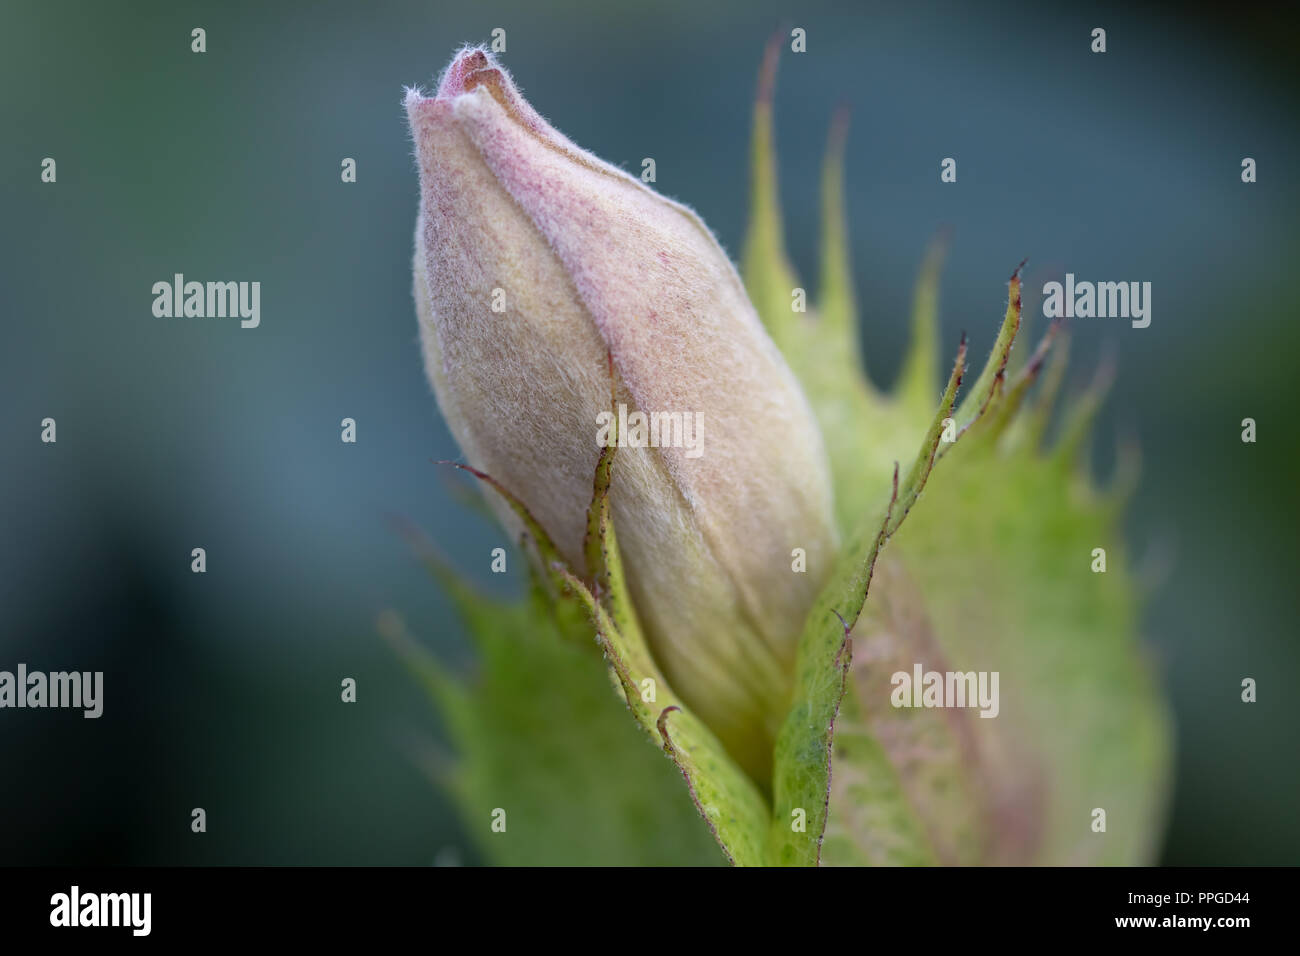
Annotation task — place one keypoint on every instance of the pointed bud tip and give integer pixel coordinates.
(470, 67)
(458, 76)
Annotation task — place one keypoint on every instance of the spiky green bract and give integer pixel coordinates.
(991, 572)
(995, 573)
(537, 733)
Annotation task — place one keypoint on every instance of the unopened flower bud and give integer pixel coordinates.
(536, 264)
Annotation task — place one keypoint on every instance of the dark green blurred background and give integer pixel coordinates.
(222, 690)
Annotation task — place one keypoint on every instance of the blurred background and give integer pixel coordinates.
(222, 689)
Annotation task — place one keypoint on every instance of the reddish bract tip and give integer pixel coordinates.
(839, 128)
(767, 72)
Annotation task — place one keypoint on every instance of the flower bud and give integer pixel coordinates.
(536, 265)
